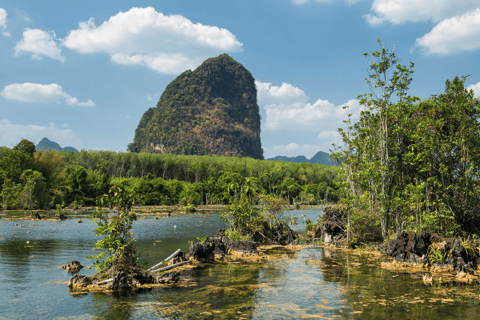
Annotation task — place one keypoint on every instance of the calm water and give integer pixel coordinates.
(314, 282)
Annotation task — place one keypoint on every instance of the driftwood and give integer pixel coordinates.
(104, 281)
(161, 262)
(172, 266)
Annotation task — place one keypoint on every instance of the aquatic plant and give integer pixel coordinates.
(118, 245)
(434, 253)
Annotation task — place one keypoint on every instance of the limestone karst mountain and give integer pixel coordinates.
(211, 110)
(46, 144)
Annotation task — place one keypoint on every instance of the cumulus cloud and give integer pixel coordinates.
(39, 93)
(401, 11)
(3, 22)
(284, 94)
(145, 37)
(40, 43)
(460, 33)
(476, 89)
(287, 109)
(11, 134)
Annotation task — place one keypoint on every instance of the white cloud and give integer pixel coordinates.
(40, 43)
(401, 11)
(308, 150)
(475, 88)
(298, 116)
(284, 94)
(3, 21)
(287, 109)
(39, 93)
(11, 134)
(142, 36)
(454, 34)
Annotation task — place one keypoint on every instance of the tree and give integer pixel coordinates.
(368, 140)
(416, 163)
(26, 146)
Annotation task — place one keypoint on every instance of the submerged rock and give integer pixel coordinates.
(168, 277)
(72, 266)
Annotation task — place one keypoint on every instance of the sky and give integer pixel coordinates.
(82, 73)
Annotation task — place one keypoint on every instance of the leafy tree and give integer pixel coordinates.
(25, 146)
(118, 245)
(412, 164)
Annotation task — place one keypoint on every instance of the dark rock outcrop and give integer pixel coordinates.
(72, 266)
(36, 215)
(212, 110)
(413, 248)
(79, 281)
(202, 252)
(277, 234)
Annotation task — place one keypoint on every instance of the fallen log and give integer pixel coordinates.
(104, 281)
(171, 267)
(167, 259)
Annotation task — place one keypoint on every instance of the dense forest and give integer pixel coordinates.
(211, 110)
(44, 179)
(411, 164)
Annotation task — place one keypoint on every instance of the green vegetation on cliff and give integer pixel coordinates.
(210, 111)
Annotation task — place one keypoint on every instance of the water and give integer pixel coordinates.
(311, 283)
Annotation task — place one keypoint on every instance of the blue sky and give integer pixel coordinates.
(83, 73)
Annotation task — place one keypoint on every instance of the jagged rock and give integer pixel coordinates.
(277, 234)
(168, 277)
(79, 221)
(202, 252)
(121, 281)
(413, 248)
(72, 266)
(79, 281)
(410, 247)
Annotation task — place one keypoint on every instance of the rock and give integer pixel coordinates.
(61, 216)
(413, 248)
(168, 277)
(180, 257)
(79, 221)
(277, 234)
(410, 247)
(202, 252)
(121, 281)
(72, 266)
(79, 281)
(35, 215)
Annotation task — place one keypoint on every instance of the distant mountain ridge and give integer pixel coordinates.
(319, 158)
(48, 145)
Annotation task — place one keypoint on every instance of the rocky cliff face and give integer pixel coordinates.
(212, 110)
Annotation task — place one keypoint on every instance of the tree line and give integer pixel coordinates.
(44, 179)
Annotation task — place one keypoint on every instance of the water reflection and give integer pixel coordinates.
(315, 282)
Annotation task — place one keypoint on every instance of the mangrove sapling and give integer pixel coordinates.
(118, 245)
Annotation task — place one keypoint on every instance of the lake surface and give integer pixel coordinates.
(312, 283)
